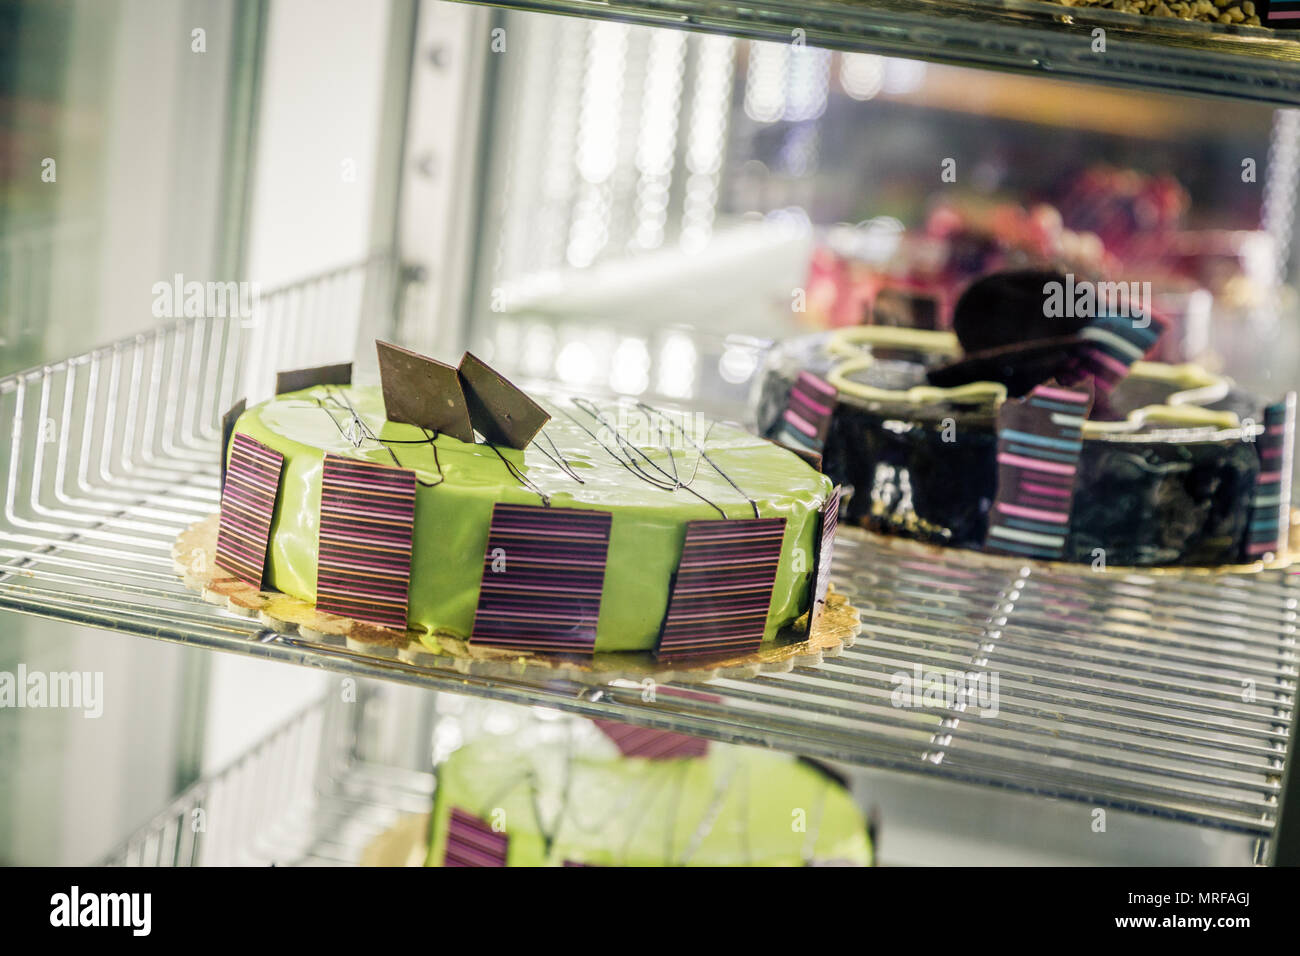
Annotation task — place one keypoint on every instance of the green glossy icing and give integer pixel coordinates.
(737, 806)
(451, 519)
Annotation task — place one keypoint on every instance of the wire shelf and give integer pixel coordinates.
(1023, 36)
(1162, 694)
(304, 796)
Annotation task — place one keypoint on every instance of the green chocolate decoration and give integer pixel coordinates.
(460, 482)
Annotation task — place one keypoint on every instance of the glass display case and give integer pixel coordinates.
(636, 199)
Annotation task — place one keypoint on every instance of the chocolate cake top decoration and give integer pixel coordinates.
(367, 516)
(1268, 531)
(1040, 439)
(543, 574)
(500, 411)
(722, 590)
(247, 507)
(1009, 309)
(227, 429)
(472, 842)
(419, 390)
(298, 379)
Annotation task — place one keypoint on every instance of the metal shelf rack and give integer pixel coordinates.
(1169, 695)
(1023, 36)
(308, 794)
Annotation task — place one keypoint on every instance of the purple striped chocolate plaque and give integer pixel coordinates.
(247, 505)
(367, 513)
(543, 572)
(471, 842)
(722, 590)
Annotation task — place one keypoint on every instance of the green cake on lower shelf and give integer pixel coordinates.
(651, 472)
(503, 802)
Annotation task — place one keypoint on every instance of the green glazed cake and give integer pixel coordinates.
(578, 461)
(501, 802)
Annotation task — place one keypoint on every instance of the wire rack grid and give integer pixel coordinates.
(1163, 694)
(306, 795)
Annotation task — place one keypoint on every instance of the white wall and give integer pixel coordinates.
(322, 86)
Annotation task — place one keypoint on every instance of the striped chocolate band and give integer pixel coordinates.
(1270, 507)
(367, 514)
(1040, 439)
(543, 573)
(1114, 344)
(247, 506)
(471, 842)
(807, 417)
(722, 591)
(830, 517)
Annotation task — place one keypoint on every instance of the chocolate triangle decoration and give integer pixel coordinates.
(298, 379)
(1040, 440)
(722, 590)
(1268, 531)
(247, 507)
(422, 391)
(472, 842)
(500, 411)
(227, 429)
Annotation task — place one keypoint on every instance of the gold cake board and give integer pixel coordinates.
(405, 843)
(194, 554)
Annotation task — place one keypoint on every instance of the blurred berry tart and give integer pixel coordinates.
(1035, 428)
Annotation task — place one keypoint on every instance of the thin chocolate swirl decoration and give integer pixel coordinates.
(358, 432)
(667, 483)
(558, 458)
(702, 453)
(520, 476)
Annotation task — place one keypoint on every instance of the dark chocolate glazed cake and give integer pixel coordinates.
(1165, 470)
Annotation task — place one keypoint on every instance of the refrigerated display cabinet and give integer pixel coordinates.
(621, 197)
